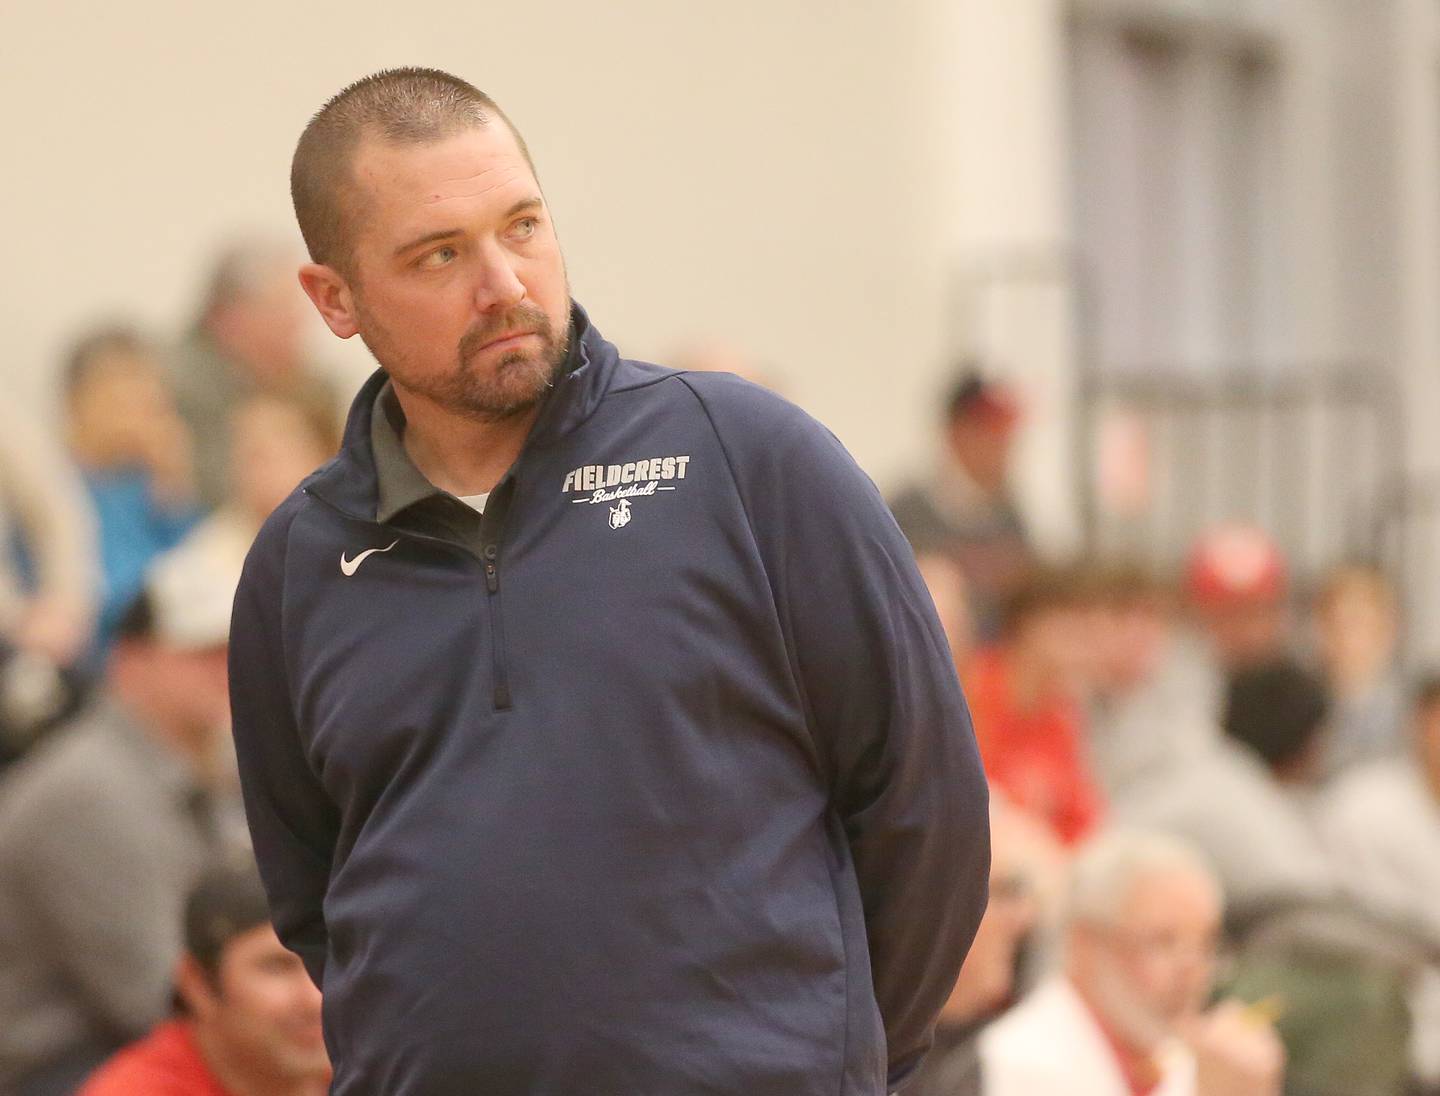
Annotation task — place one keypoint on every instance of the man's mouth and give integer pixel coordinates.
(503, 340)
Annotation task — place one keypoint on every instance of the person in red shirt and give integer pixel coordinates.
(1024, 699)
(250, 1016)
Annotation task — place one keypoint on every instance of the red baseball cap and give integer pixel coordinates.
(1235, 563)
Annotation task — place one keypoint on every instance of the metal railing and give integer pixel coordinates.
(1314, 453)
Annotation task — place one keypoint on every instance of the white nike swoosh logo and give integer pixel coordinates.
(349, 566)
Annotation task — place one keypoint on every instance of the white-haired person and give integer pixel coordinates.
(1127, 1015)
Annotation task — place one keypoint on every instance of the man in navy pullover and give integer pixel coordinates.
(597, 732)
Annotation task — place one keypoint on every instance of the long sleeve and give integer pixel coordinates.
(293, 823)
(887, 715)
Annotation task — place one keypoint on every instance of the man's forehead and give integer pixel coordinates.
(1172, 896)
(473, 164)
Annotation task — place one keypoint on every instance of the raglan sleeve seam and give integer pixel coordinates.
(782, 612)
(280, 635)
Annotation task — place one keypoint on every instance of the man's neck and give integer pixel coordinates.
(458, 454)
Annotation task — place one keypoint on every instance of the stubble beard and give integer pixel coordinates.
(511, 387)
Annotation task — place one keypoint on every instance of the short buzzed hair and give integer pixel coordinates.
(401, 106)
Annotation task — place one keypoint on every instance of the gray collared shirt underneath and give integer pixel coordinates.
(406, 498)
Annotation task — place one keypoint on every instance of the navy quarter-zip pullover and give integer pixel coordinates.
(654, 779)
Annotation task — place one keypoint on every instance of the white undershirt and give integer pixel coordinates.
(475, 502)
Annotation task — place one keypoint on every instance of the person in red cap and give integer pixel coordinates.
(1237, 582)
(965, 509)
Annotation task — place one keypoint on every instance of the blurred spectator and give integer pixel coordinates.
(1237, 582)
(1238, 799)
(1127, 1014)
(275, 443)
(278, 442)
(135, 455)
(1278, 710)
(951, 594)
(720, 357)
(103, 829)
(251, 1016)
(249, 338)
(1024, 696)
(1357, 623)
(1382, 822)
(988, 977)
(1145, 719)
(49, 583)
(965, 509)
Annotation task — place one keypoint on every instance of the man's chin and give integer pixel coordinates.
(497, 402)
(301, 1059)
(521, 382)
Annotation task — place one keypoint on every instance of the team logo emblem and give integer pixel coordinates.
(620, 514)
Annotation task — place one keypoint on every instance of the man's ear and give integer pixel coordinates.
(195, 987)
(330, 294)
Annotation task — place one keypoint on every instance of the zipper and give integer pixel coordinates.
(499, 668)
(492, 521)
(489, 562)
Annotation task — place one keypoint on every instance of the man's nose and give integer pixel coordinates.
(307, 995)
(497, 284)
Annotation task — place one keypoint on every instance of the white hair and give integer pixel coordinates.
(1106, 872)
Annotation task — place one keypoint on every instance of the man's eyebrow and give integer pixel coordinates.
(428, 238)
(522, 206)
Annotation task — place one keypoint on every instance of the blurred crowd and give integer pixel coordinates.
(1215, 793)
(1215, 807)
(129, 909)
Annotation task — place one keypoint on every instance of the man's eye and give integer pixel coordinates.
(524, 228)
(437, 258)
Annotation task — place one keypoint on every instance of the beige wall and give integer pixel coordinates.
(815, 181)
(755, 170)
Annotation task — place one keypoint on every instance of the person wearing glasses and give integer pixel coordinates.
(1127, 1015)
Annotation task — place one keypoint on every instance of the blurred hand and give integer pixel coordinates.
(1236, 1053)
